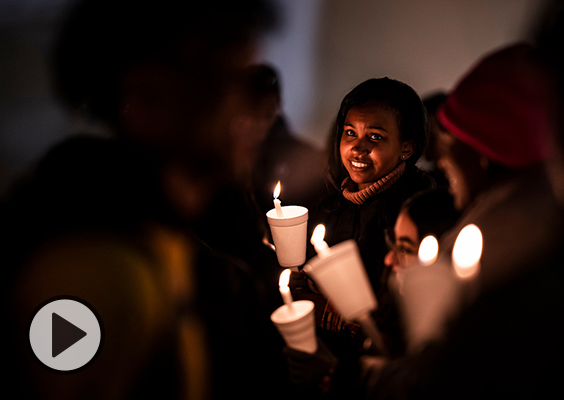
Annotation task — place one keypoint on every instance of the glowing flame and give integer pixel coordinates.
(467, 251)
(277, 190)
(318, 234)
(284, 278)
(428, 250)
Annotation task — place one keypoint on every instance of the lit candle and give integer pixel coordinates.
(428, 250)
(467, 252)
(278, 203)
(284, 289)
(319, 244)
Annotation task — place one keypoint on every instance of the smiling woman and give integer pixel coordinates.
(380, 133)
(371, 145)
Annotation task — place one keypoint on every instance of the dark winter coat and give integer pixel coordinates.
(366, 223)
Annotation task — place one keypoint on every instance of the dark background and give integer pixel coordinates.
(322, 50)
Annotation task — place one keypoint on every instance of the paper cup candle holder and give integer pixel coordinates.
(339, 273)
(295, 320)
(288, 226)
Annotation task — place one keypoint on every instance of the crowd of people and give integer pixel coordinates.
(162, 226)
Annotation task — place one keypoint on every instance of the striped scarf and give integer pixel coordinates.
(351, 193)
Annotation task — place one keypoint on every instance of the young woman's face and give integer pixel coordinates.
(370, 144)
(404, 244)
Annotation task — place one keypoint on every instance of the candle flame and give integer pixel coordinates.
(318, 234)
(428, 250)
(284, 278)
(277, 190)
(467, 251)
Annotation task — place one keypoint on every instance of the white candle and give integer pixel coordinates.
(467, 252)
(428, 250)
(320, 245)
(278, 203)
(284, 289)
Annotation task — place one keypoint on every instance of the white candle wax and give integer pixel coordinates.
(278, 207)
(320, 245)
(286, 295)
(278, 203)
(322, 249)
(285, 289)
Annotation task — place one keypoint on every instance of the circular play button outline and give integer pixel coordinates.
(79, 334)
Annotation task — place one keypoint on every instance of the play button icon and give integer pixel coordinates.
(65, 334)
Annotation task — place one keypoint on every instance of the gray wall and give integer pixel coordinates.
(333, 45)
(324, 48)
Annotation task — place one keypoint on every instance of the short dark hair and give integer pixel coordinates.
(390, 93)
(432, 211)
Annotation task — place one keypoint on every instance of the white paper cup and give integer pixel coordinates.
(341, 277)
(428, 296)
(297, 325)
(289, 234)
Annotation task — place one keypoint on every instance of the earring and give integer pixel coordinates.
(402, 157)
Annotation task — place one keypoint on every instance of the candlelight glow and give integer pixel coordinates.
(467, 251)
(277, 190)
(284, 278)
(318, 234)
(428, 250)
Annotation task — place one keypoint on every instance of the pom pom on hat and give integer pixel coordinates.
(500, 108)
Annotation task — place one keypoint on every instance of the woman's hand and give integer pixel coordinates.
(304, 288)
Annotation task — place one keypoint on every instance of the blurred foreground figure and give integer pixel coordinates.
(504, 340)
(108, 220)
(262, 152)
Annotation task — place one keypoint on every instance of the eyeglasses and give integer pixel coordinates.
(401, 250)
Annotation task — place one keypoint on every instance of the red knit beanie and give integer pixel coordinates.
(500, 108)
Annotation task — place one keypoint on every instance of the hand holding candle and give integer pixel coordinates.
(340, 274)
(288, 226)
(295, 320)
(341, 277)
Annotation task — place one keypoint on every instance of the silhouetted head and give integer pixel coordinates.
(496, 121)
(163, 73)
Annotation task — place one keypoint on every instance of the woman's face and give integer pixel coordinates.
(462, 167)
(404, 244)
(370, 144)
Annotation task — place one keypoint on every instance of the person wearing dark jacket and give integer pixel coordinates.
(110, 220)
(380, 133)
(504, 339)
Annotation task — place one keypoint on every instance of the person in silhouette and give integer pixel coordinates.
(109, 219)
(496, 140)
